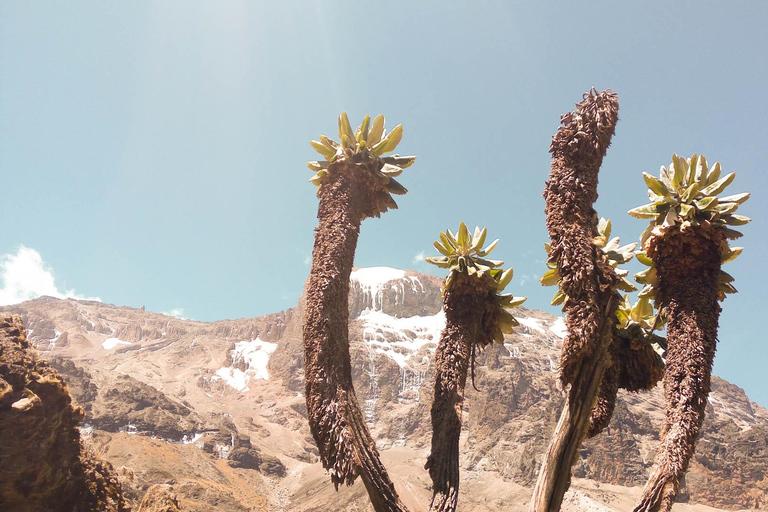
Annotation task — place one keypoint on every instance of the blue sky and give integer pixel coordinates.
(153, 153)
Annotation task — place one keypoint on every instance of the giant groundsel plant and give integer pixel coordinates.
(685, 244)
(355, 181)
(475, 316)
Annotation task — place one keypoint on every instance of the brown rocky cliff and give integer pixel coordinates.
(43, 464)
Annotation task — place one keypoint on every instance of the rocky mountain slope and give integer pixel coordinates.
(216, 411)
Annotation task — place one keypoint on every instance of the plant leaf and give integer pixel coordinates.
(550, 277)
(646, 211)
(655, 185)
(718, 186)
(396, 188)
(479, 238)
(736, 220)
(376, 131)
(440, 261)
(488, 250)
(736, 198)
(731, 255)
(442, 250)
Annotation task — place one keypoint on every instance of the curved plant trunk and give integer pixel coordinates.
(688, 265)
(602, 411)
(335, 419)
(571, 430)
(586, 278)
(452, 359)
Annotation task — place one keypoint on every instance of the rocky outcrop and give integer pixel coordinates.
(240, 453)
(43, 464)
(728, 457)
(160, 498)
(126, 404)
(397, 293)
(123, 403)
(80, 382)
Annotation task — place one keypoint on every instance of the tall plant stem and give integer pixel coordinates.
(586, 278)
(336, 421)
(452, 360)
(688, 264)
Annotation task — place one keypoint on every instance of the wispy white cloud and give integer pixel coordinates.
(528, 277)
(419, 258)
(25, 276)
(177, 312)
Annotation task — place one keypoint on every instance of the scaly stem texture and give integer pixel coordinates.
(688, 265)
(587, 279)
(463, 313)
(336, 422)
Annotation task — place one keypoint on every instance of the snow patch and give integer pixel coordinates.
(254, 356)
(195, 438)
(558, 328)
(375, 277)
(532, 323)
(401, 339)
(233, 377)
(111, 343)
(86, 430)
(410, 342)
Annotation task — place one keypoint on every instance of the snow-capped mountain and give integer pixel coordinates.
(218, 409)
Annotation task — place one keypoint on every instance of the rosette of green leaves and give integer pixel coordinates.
(639, 321)
(463, 253)
(364, 148)
(614, 252)
(685, 194)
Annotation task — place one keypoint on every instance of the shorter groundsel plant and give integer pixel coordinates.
(463, 254)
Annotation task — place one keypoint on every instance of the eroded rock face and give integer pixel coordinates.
(43, 465)
(123, 403)
(730, 458)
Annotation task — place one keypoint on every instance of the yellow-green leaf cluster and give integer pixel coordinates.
(364, 148)
(639, 321)
(463, 253)
(686, 194)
